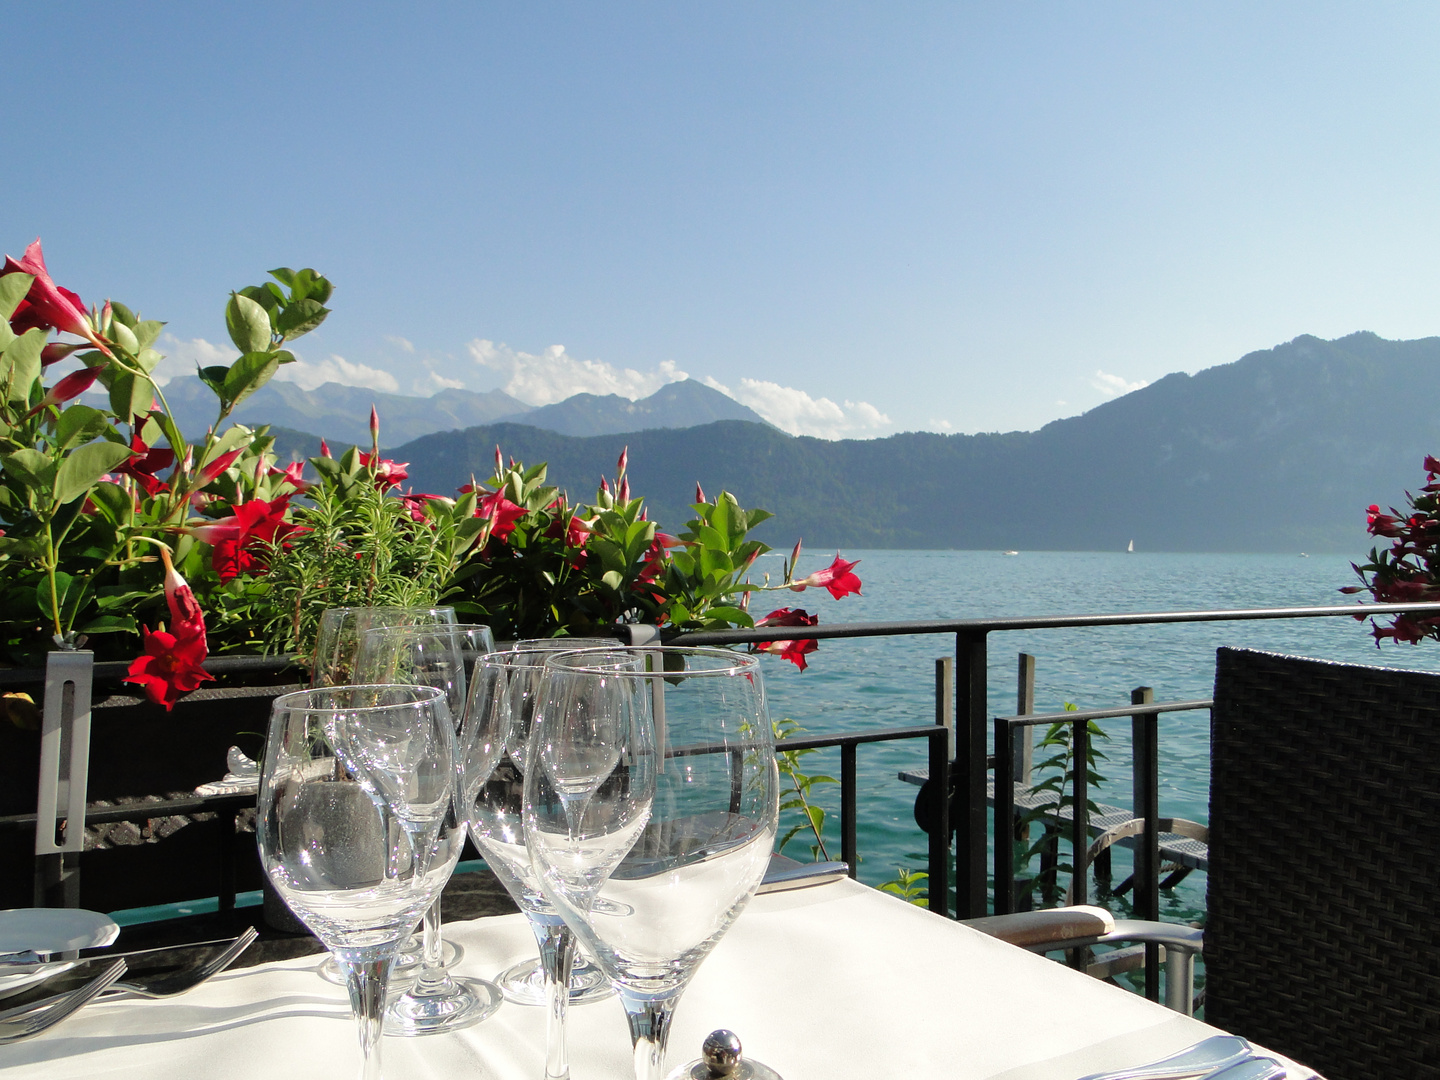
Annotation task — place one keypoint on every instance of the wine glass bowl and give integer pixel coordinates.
(650, 813)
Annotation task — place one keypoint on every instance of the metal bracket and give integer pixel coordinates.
(64, 770)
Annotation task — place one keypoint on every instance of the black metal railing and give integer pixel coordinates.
(971, 762)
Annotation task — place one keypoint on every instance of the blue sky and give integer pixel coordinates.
(858, 219)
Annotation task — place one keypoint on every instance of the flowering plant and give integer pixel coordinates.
(88, 519)
(111, 523)
(1409, 569)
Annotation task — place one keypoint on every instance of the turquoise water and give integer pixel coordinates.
(858, 684)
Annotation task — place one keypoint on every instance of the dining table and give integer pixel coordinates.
(831, 982)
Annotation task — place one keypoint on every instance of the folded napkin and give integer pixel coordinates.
(242, 779)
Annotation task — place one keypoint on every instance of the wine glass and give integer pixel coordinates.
(438, 655)
(651, 801)
(493, 742)
(337, 644)
(356, 825)
(524, 983)
(337, 648)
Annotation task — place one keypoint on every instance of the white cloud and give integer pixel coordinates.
(555, 375)
(944, 427)
(798, 413)
(400, 343)
(309, 376)
(1114, 385)
(433, 383)
(182, 357)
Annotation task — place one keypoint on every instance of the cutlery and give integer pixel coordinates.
(1219, 1052)
(155, 973)
(1256, 1068)
(30, 1019)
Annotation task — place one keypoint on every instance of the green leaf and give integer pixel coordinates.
(22, 362)
(214, 377)
(147, 333)
(13, 288)
(31, 468)
(248, 374)
(612, 579)
(248, 323)
(63, 583)
(300, 318)
(124, 337)
(82, 469)
(113, 502)
(110, 624)
(147, 359)
(234, 436)
(123, 315)
(80, 424)
(131, 395)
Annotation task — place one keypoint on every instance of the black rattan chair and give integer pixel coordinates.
(1322, 938)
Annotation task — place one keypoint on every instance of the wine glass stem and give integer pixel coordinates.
(366, 981)
(557, 954)
(432, 963)
(649, 1030)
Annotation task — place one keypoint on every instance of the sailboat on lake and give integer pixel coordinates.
(1131, 548)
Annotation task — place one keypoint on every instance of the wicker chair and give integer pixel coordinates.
(1322, 939)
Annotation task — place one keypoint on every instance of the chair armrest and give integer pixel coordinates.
(1053, 927)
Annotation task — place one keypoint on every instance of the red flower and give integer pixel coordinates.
(171, 663)
(578, 531)
(294, 475)
(794, 650)
(56, 351)
(236, 538)
(71, 386)
(47, 304)
(209, 472)
(169, 667)
(503, 514)
(146, 463)
(836, 577)
(415, 503)
(388, 473)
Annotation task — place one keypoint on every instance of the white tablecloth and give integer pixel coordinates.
(826, 983)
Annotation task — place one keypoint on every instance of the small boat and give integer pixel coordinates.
(1131, 548)
(1009, 553)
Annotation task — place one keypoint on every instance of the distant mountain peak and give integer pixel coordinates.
(683, 404)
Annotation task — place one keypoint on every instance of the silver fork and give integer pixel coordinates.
(24, 1021)
(170, 983)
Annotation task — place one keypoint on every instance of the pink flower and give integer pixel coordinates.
(47, 304)
(209, 472)
(294, 475)
(578, 531)
(388, 473)
(503, 514)
(794, 650)
(71, 386)
(836, 577)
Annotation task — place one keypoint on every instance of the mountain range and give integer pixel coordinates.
(1281, 450)
(341, 414)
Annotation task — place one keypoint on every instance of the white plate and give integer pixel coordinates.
(53, 930)
(13, 978)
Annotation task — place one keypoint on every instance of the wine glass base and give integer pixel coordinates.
(524, 984)
(469, 1002)
(746, 1070)
(405, 968)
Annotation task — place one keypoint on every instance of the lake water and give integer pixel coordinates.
(865, 683)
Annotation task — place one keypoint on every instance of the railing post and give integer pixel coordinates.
(1024, 741)
(1080, 833)
(848, 784)
(1004, 873)
(969, 772)
(64, 772)
(1145, 741)
(945, 699)
(939, 848)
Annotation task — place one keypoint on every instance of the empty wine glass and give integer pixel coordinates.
(437, 655)
(337, 648)
(337, 644)
(494, 741)
(356, 825)
(524, 983)
(651, 800)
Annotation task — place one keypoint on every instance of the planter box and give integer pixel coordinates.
(138, 750)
